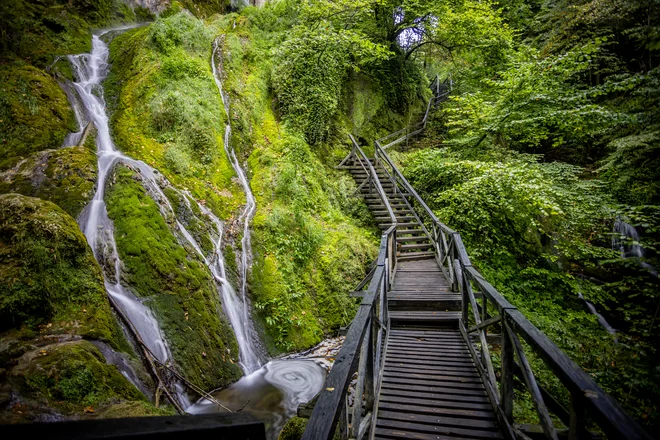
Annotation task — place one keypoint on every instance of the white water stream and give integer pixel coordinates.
(90, 69)
(249, 358)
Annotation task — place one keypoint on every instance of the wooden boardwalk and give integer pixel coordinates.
(430, 387)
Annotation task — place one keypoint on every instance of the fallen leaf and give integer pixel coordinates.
(89, 409)
(330, 389)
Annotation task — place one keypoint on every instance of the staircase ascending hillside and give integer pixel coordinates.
(428, 329)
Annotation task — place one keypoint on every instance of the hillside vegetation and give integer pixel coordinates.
(549, 138)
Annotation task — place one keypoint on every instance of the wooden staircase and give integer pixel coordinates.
(412, 243)
(430, 388)
(417, 354)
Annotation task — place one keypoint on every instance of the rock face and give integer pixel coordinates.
(155, 6)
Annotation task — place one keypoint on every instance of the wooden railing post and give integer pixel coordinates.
(506, 381)
(577, 429)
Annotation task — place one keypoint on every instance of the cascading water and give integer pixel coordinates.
(279, 386)
(249, 360)
(90, 69)
(274, 391)
(625, 239)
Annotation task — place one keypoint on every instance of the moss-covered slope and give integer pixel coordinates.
(166, 109)
(176, 284)
(311, 241)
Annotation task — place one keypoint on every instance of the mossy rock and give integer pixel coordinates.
(177, 285)
(65, 177)
(74, 379)
(48, 274)
(38, 31)
(34, 112)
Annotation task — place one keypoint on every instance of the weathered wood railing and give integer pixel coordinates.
(440, 93)
(361, 352)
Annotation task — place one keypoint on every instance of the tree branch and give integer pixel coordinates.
(423, 43)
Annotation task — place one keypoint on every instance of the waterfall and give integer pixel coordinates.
(90, 69)
(601, 319)
(249, 360)
(625, 239)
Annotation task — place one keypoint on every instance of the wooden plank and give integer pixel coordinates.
(449, 363)
(430, 359)
(412, 374)
(467, 386)
(426, 346)
(464, 370)
(430, 429)
(444, 395)
(428, 333)
(431, 345)
(435, 388)
(427, 416)
(395, 434)
(419, 335)
(434, 403)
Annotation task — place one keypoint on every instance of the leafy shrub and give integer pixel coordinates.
(179, 30)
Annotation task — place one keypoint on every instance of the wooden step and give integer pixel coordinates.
(398, 218)
(410, 247)
(378, 204)
(427, 301)
(400, 232)
(409, 239)
(422, 318)
(402, 224)
(412, 256)
(395, 197)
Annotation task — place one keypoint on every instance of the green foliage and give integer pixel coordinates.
(632, 168)
(537, 104)
(49, 272)
(543, 208)
(310, 66)
(178, 285)
(179, 31)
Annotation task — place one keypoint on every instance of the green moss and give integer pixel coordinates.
(39, 31)
(48, 273)
(309, 247)
(166, 109)
(34, 112)
(178, 286)
(65, 177)
(293, 430)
